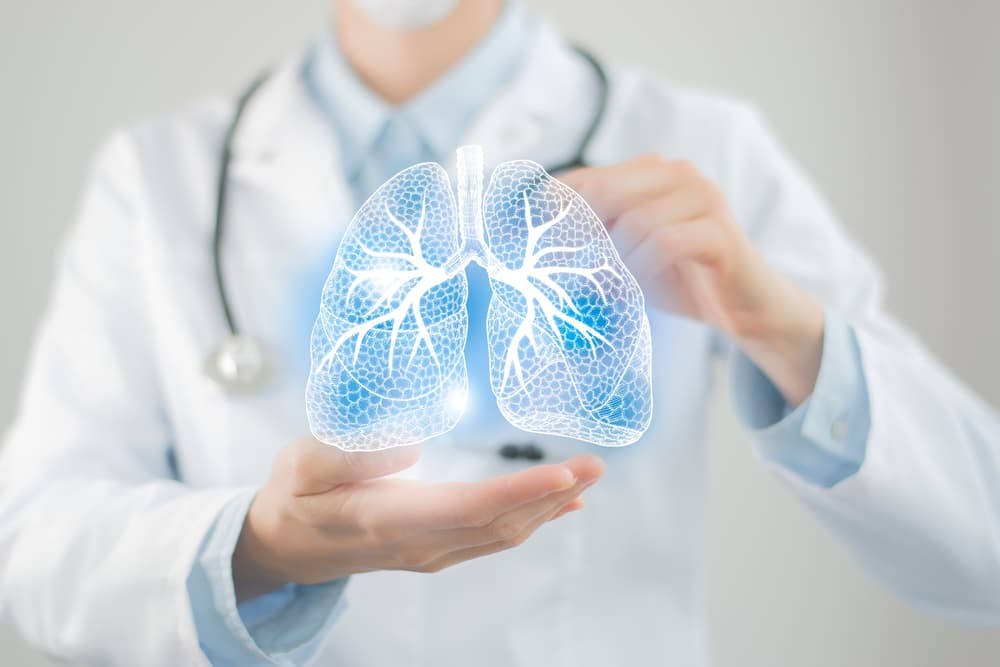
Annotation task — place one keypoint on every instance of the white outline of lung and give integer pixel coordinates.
(570, 350)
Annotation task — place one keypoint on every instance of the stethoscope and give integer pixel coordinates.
(238, 364)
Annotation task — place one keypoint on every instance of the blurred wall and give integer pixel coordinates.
(892, 106)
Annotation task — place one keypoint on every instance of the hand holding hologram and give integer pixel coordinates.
(568, 335)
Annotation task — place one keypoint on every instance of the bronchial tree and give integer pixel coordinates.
(532, 280)
(407, 275)
(569, 338)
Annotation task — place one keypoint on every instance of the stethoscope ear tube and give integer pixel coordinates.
(579, 158)
(239, 363)
(225, 159)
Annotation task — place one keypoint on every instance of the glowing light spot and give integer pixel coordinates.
(458, 398)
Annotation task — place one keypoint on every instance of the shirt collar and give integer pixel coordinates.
(440, 114)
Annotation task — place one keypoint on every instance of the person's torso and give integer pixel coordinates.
(621, 582)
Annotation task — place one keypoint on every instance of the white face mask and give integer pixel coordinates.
(405, 14)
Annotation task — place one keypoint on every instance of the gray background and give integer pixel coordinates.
(892, 106)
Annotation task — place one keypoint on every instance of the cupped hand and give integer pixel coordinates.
(325, 513)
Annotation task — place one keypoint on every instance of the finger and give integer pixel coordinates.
(580, 176)
(571, 177)
(462, 555)
(588, 470)
(635, 225)
(699, 240)
(313, 467)
(614, 189)
(513, 523)
(611, 190)
(469, 505)
(571, 506)
(415, 507)
(411, 509)
(585, 467)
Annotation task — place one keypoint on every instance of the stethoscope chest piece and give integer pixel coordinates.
(238, 365)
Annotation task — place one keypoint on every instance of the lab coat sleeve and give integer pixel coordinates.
(823, 440)
(921, 512)
(284, 627)
(97, 537)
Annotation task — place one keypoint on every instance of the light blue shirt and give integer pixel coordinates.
(822, 441)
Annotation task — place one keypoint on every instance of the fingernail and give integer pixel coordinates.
(569, 480)
(566, 510)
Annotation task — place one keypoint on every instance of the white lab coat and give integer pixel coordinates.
(97, 537)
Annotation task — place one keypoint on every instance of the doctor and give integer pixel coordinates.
(150, 517)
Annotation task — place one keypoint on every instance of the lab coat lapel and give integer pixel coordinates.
(287, 207)
(287, 148)
(289, 203)
(544, 111)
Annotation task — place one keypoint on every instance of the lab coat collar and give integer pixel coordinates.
(444, 111)
(441, 113)
(552, 86)
(355, 112)
(283, 117)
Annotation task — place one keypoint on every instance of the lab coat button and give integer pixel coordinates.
(510, 451)
(838, 429)
(529, 451)
(532, 452)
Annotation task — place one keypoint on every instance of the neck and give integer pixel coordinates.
(398, 64)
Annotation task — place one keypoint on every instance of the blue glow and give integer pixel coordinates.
(567, 338)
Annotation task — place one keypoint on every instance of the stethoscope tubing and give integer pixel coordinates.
(236, 380)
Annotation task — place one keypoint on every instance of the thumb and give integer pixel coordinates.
(312, 467)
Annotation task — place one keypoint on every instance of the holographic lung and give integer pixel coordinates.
(568, 335)
(569, 338)
(386, 349)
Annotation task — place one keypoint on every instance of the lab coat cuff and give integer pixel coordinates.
(284, 627)
(824, 440)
